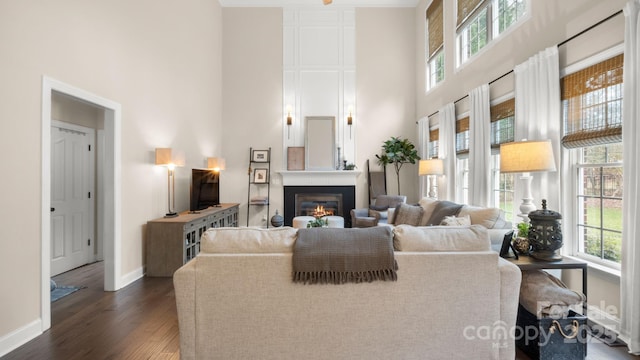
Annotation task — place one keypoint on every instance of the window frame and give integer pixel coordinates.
(573, 158)
(461, 34)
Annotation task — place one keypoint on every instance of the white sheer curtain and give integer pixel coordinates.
(630, 277)
(538, 117)
(447, 152)
(423, 151)
(480, 147)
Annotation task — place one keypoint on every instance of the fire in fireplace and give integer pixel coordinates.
(304, 201)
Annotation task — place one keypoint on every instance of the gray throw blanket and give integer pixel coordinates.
(337, 256)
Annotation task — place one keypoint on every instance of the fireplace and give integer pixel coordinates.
(302, 201)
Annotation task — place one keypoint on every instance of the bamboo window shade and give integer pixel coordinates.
(434, 137)
(466, 8)
(435, 26)
(462, 135)
(502, 122)
(592, 102)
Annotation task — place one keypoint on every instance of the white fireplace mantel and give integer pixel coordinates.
(319, 178)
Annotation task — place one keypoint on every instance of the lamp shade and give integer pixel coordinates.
(216, 163)
(527, 156)
(431, 167)
(167, 157)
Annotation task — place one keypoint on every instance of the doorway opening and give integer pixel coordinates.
(108, 210)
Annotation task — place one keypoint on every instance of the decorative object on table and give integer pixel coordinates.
(349, 166)
(166, 157)
(277, 220)
(545, 234)
(397, 152)
(431, 168)
(260, 176)
(526, 157)
(507, 244)
(521, 241)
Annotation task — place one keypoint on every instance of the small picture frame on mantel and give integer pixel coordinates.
(260, 156)
(295, 158)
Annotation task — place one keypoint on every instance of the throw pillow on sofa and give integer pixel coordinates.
(442, 209)
(487, 217)
(456, 221)
(441, 238)
(428, 205)
(408, 215)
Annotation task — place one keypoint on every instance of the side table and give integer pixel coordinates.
(529, 263)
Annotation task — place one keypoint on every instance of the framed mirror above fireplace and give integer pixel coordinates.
(320, 142)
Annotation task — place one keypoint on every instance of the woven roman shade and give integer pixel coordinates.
(465, 9)
(502, 120)
(435, 25)
(592, 104)
(462, 135)
(434, 137)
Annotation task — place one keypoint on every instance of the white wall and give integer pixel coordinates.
(385, 92)
(166, 74)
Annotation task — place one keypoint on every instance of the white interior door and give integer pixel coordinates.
(71, 197)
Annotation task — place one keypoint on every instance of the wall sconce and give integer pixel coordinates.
(431, 168)
(216, 164)
(165, 157)
(525, 157)
(350, 120)
(289, 121)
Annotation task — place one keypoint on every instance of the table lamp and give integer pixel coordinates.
(431, 168)
(526, 157)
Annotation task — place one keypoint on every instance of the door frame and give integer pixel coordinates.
(109, 209)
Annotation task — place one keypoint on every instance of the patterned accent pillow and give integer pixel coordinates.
(456, 221)
(408, 214)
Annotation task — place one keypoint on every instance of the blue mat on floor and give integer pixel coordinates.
(60, 291)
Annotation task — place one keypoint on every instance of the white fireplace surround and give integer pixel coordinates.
(320, 178)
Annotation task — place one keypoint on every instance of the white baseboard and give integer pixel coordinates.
(127, 279)
(19, 337)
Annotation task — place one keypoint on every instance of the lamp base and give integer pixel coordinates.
(171, 214)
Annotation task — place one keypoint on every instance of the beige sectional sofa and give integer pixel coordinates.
(454, 298)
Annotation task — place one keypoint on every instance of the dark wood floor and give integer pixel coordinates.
(139, 322)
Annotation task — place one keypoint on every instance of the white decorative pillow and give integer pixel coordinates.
(486, 217)
(441, 238)
(246, 240)
(428, 205)
(456, 221)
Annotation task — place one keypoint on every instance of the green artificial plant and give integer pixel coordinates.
(398, 152)
(523, 229)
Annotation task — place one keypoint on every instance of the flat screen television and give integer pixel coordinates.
(205, 189)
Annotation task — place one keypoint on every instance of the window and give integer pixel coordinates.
(462, 136)
(479, 22)
(502, 131)
(592, 118)
(600, 202)
(435, 48)
(434, 136)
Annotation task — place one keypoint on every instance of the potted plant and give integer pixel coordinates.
(397, 152)
(521, 241)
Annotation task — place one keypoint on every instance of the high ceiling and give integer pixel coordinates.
(315, 3)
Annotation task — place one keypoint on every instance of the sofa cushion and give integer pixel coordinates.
(408, 214)
(441, 238)
(442, 209)
(427, 204)
(487, 217)
(456, 221)
(248, 240)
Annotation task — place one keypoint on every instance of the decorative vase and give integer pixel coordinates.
(521, 244)
(277, 220)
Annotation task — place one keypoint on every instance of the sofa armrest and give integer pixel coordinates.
(510, 278)
(184, 283)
